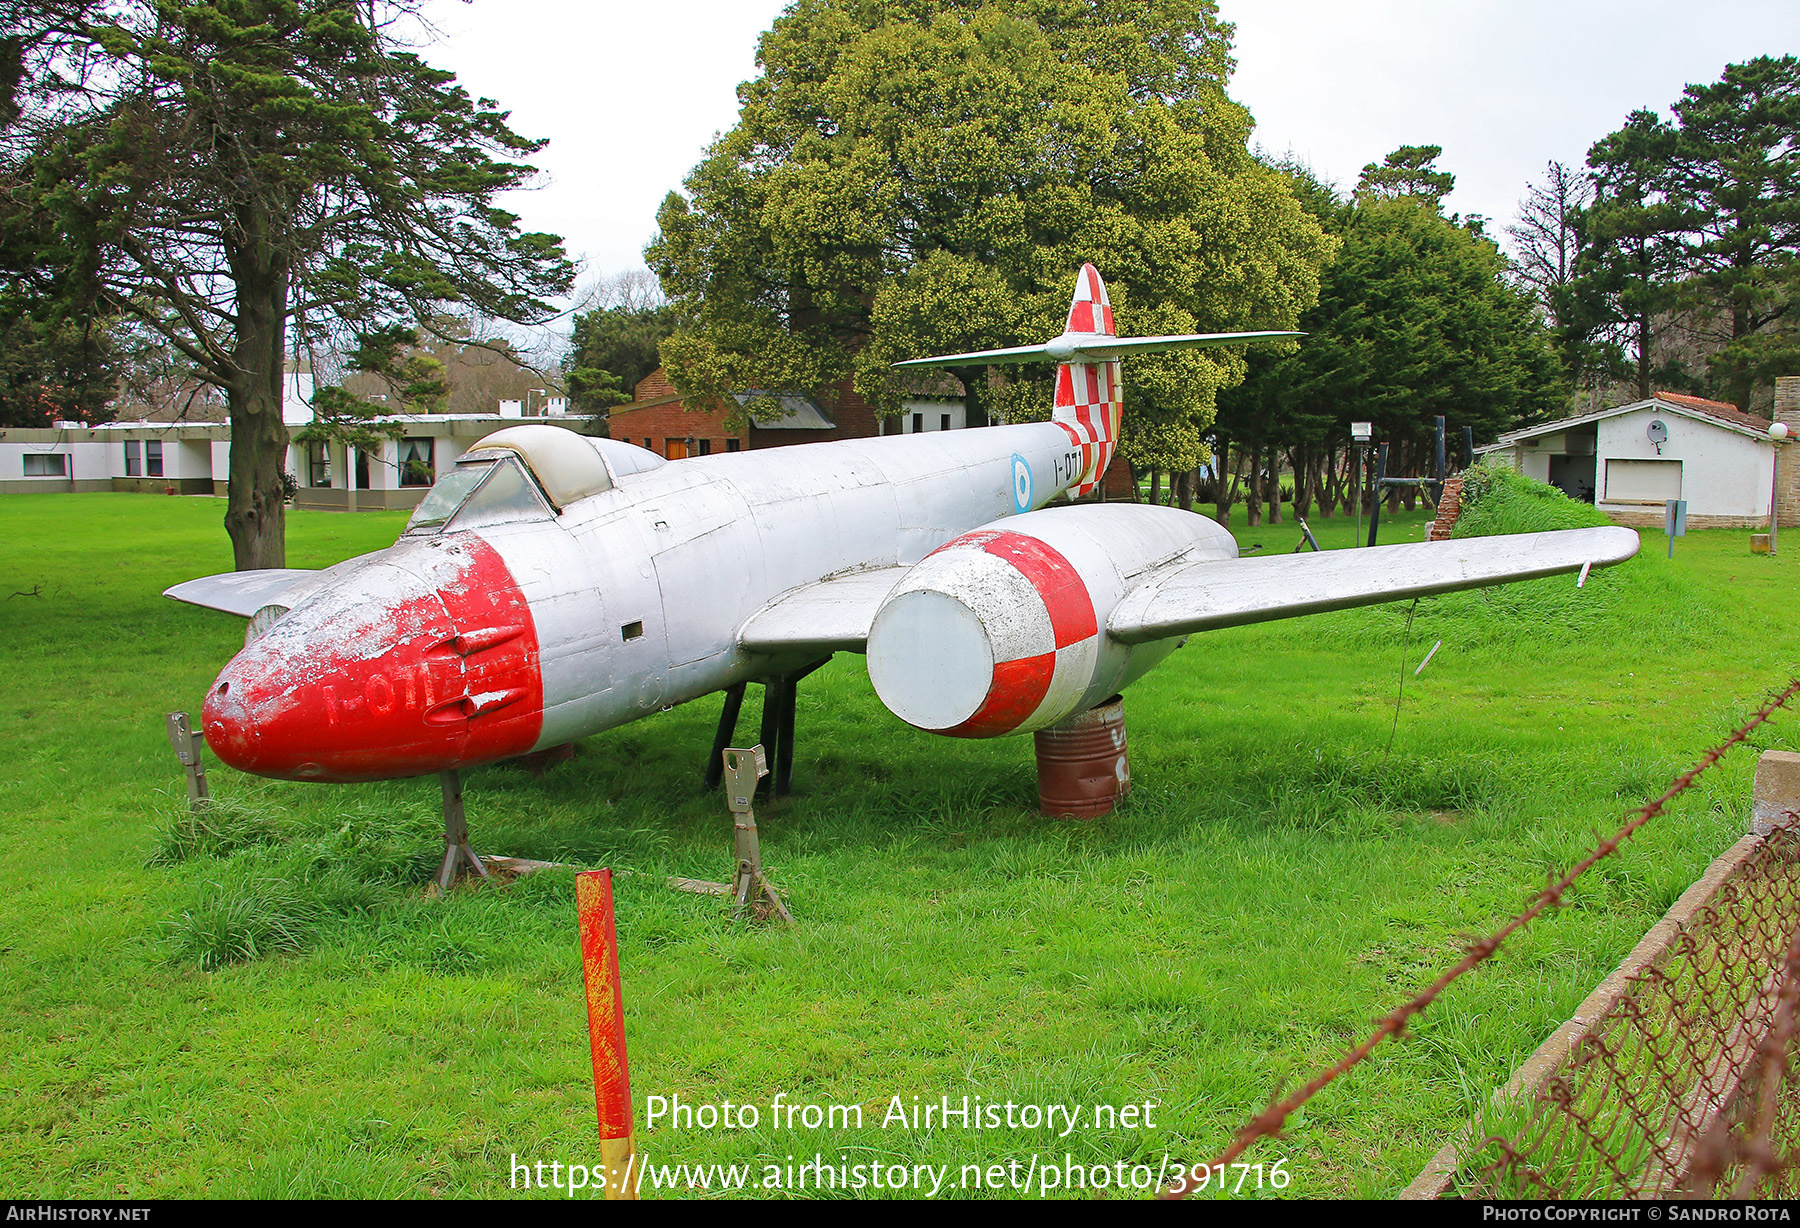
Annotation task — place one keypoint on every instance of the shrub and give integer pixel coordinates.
(1498, 499)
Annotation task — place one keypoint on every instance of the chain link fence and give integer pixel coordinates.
(1674, 1077)
(1680, 1084)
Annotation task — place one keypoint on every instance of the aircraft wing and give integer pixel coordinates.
(830, 615)
(1228, 592)
(1094, 347)
(245, 592)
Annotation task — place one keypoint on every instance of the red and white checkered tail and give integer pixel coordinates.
(1088, 397)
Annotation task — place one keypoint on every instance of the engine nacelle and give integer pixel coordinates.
(1003, 630)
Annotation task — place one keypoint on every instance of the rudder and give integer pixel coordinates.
(1089, 400)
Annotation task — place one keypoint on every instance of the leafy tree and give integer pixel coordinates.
(1733, 182)
(1699, 220)
(1417, 317)
(924, 176)
(252, 173)
(611, 350)
(1407, 172)
(1626, 273)
(58, 354)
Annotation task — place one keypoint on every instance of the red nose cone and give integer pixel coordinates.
(424, 658)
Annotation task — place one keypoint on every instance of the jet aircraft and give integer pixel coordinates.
(552, 586)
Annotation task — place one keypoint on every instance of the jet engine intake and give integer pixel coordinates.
(1002, 630)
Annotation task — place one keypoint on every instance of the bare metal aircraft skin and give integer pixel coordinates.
(553, 586)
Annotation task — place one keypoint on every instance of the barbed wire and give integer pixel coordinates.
(1268, 1123)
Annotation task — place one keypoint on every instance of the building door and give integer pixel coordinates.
(1574, 476)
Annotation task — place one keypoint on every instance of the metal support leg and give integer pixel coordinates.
(456, 834)
(728, 719)
(187, 749)
(784, 745)
(750, 887)
(774, 701)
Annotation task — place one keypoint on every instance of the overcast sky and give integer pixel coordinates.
(631, 94)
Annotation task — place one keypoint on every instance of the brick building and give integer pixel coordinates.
(655, 419)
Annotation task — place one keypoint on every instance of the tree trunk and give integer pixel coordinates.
(1274, 485)
(1184, 491)
(1329, 491)
(1221, 484)
(1253, 489)
(255, 510)
(1155, 485)
(975, 394)
(1303, 472)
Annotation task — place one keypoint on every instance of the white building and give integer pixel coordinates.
(1629, 460)
(195, 458)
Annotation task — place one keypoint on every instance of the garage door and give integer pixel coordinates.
(1642, 481)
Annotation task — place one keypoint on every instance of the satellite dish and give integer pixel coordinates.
(1659, 434)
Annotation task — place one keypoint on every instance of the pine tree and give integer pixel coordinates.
(259, 174)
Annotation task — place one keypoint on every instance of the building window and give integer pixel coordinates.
(732, 445)
(153, 458)
(134, 464)
(318, 464)
(705, 447)
(415, 463)
(918, 423)
(943, 422)
(44, 465)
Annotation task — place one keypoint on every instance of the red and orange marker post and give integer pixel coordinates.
(606, 1030)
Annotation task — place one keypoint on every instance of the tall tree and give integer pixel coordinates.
(614, 343)
(1547, 233)
(1407, 173)
(253, 173)
(1550, 236)
(1629, 265)
(1416, 318)
(1733, 184)
(923, 176)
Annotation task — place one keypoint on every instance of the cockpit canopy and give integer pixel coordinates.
(525, 473)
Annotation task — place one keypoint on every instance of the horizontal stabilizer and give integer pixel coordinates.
(1094, 347)
(245, 592)
(827, 616)
(1229, 592)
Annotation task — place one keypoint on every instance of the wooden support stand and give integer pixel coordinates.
(457, 853)
(187, 749)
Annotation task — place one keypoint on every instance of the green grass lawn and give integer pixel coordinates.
(1278, 878)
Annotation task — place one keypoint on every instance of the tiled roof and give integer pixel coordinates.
(1717, 409)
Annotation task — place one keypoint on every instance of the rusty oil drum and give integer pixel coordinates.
(1082, 766)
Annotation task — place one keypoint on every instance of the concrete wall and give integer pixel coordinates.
(930, 415)
(1725, 476)
(84, 463)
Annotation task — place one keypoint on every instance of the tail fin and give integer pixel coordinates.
(1089, 397)
(1089, 400)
